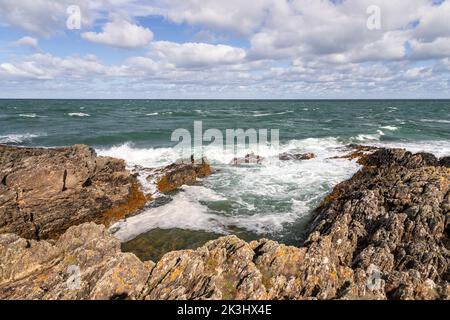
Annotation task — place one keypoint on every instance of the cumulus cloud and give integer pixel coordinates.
(197, 54)
(276, 47)
(121, 33)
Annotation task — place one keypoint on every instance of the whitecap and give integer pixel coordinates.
(391, 128)
(297, 185)
(435, 120)
(17, 138)
(78, 114)
(28, 115)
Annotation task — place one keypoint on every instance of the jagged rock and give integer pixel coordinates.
(176, 175)
(392, 215)
(286, 156)
(85, 263)
(250, 158)
(45, 191)
(359, 152)
(383, 234)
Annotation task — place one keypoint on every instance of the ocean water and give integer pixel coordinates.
(274, 199)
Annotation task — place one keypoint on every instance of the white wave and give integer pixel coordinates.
(435, 120)
(391, 128)
(440, 148)
(186, 212)
(28, 115)
(152, 114)
(291, 189)
(367, 137)
(17, 138)
(271, 114)
(78, 114)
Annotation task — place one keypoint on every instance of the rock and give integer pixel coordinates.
(176, 175)
(393, 214)
(45, 191)
(359, 152)
(383, 234)
(296, 156)
(85, 263)
(250, 158)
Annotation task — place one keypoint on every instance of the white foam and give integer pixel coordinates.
(28, 115)
(271, 114)
(435, 120)
(152, 114)
(391, 128)
(290, 188)
(440, 148)
(263, 199)
(367, 137)
(78, 114)
(17, 138)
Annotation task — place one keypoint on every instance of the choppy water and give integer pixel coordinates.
(273, 199)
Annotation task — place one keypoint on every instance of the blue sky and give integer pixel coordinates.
(301, 49)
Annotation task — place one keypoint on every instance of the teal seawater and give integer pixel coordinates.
(150, 123)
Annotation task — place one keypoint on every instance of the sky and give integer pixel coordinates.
(225, 49)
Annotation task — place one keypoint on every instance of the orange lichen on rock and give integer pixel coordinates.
(176, 175)
(136, 201)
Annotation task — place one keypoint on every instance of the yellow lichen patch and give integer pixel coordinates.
(136, 200)
(175, 274)
(70, 260)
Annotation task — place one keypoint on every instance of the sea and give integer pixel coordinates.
(273, 199)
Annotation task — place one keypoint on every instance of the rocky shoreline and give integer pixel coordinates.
(383, 234)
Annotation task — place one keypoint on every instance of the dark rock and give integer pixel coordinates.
(445, 162)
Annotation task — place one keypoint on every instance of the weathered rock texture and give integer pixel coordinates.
(383, 234)
(85, 263)
(45, 191)
(174, 176)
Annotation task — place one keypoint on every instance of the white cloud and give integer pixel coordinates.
(197, 54)
(439, 48)
(242, 17)
(290, 46)
(27, 41)
(121, 33)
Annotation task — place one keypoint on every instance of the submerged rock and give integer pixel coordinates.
(250, 158)
(45, 191)
(286, 156)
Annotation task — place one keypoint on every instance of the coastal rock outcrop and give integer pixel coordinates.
(45, 191)
(176, 175)
(383, 234)
(85, 263)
